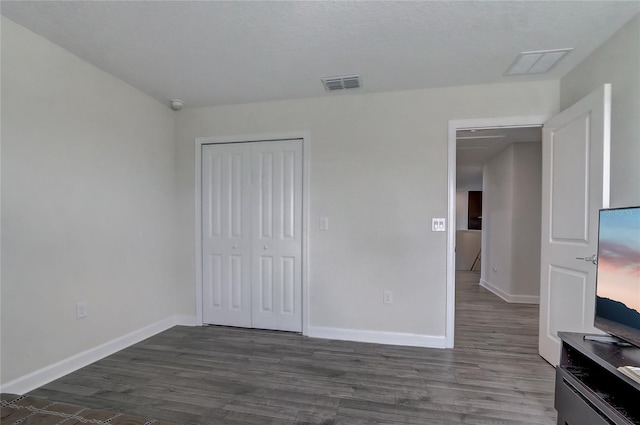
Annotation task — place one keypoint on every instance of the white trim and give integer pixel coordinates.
(514, 299)
(606, 144)
(306, 210)
(43, 376)
(185, 320)
(455, 125)
(451, 238)
(197, 191)
(306, 192)
(377, 337)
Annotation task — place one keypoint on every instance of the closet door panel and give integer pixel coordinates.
(277, 169)
(226, 234)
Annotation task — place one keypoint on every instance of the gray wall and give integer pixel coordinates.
(88, 203)
(617, 62)
(511, 219)
(379, 173)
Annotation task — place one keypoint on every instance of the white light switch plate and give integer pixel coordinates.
(324, 223)
(438, 225)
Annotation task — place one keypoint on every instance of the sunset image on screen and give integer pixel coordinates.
(619, 257)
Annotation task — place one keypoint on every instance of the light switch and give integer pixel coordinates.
(438, 225)
(324, 223)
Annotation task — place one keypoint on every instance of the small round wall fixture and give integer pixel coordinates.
(176, 104)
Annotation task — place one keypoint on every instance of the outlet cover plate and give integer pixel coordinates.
(81, 309)
(387, 297)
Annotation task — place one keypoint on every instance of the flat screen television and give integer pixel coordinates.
(617, 309)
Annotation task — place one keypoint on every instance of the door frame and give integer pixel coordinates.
(269, 137)
(454, 126)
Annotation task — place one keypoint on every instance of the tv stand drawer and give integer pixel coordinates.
(576, 405)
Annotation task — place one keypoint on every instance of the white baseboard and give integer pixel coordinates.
(185, 321)
(378, 337)
(54, 371)
(516, 299)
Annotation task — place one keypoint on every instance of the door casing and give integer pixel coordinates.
(306, 140)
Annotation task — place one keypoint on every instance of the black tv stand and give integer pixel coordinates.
(607, 339)
(590, 389)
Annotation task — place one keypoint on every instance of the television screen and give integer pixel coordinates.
(618, 278)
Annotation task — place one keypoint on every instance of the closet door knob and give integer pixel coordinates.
(266, 247)
(235, 247)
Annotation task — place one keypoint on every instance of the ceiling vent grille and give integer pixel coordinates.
(537, 62)
(341, 83)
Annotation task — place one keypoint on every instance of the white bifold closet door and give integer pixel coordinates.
(252, 234)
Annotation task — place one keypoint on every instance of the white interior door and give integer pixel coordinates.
(575, 184)
(252, 234)
(226, 235)
(277, 246)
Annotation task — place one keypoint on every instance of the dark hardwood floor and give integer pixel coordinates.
(217, 375)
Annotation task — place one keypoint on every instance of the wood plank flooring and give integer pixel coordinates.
(217, 375)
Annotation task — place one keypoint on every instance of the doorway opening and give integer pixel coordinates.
(500, 158)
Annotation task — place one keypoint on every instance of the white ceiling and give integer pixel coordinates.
(475, 147)
(211, 53)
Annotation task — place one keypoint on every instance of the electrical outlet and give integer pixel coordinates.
(387, 297)
(81, 309)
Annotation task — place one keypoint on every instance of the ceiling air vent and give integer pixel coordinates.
(341, 83)
(537, 62)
